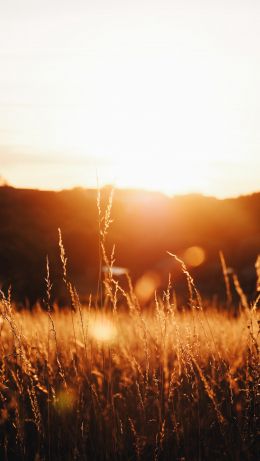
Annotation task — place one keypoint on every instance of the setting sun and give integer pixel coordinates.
(165, 101)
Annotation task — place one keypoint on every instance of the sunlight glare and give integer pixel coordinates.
(103, 330)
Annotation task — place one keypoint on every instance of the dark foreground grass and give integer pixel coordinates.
(76, 385)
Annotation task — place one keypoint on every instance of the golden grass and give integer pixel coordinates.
(132, 385)
(117, 382)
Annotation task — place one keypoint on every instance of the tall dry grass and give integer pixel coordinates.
(110, 381)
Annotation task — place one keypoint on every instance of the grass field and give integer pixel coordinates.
(78, 384)
(118, 382)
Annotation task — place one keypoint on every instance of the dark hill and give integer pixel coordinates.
(145, 226)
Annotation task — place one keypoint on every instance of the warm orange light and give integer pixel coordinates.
(146, 286)
(194, 256)
(65, 400)
(103, 330)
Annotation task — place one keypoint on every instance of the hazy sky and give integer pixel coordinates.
(156, 94)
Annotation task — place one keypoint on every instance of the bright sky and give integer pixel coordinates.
(144, 93)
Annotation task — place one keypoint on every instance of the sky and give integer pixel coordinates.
(161, 95)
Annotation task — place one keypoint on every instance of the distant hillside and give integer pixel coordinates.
(145, 225)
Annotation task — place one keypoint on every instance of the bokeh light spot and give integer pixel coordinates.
(65, 400)
(194, 256)
(146, 286)
(103, 330)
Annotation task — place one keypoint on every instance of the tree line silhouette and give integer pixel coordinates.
(145, 226)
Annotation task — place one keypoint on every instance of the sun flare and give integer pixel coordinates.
(103, 330)
(170, 103)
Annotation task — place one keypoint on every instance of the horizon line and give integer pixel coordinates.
(5, 184)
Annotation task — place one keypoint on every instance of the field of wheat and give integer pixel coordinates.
(113, 381)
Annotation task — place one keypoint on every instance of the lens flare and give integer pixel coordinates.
(146, 286)
(103, 330)
(194, 256)
(65, 400)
